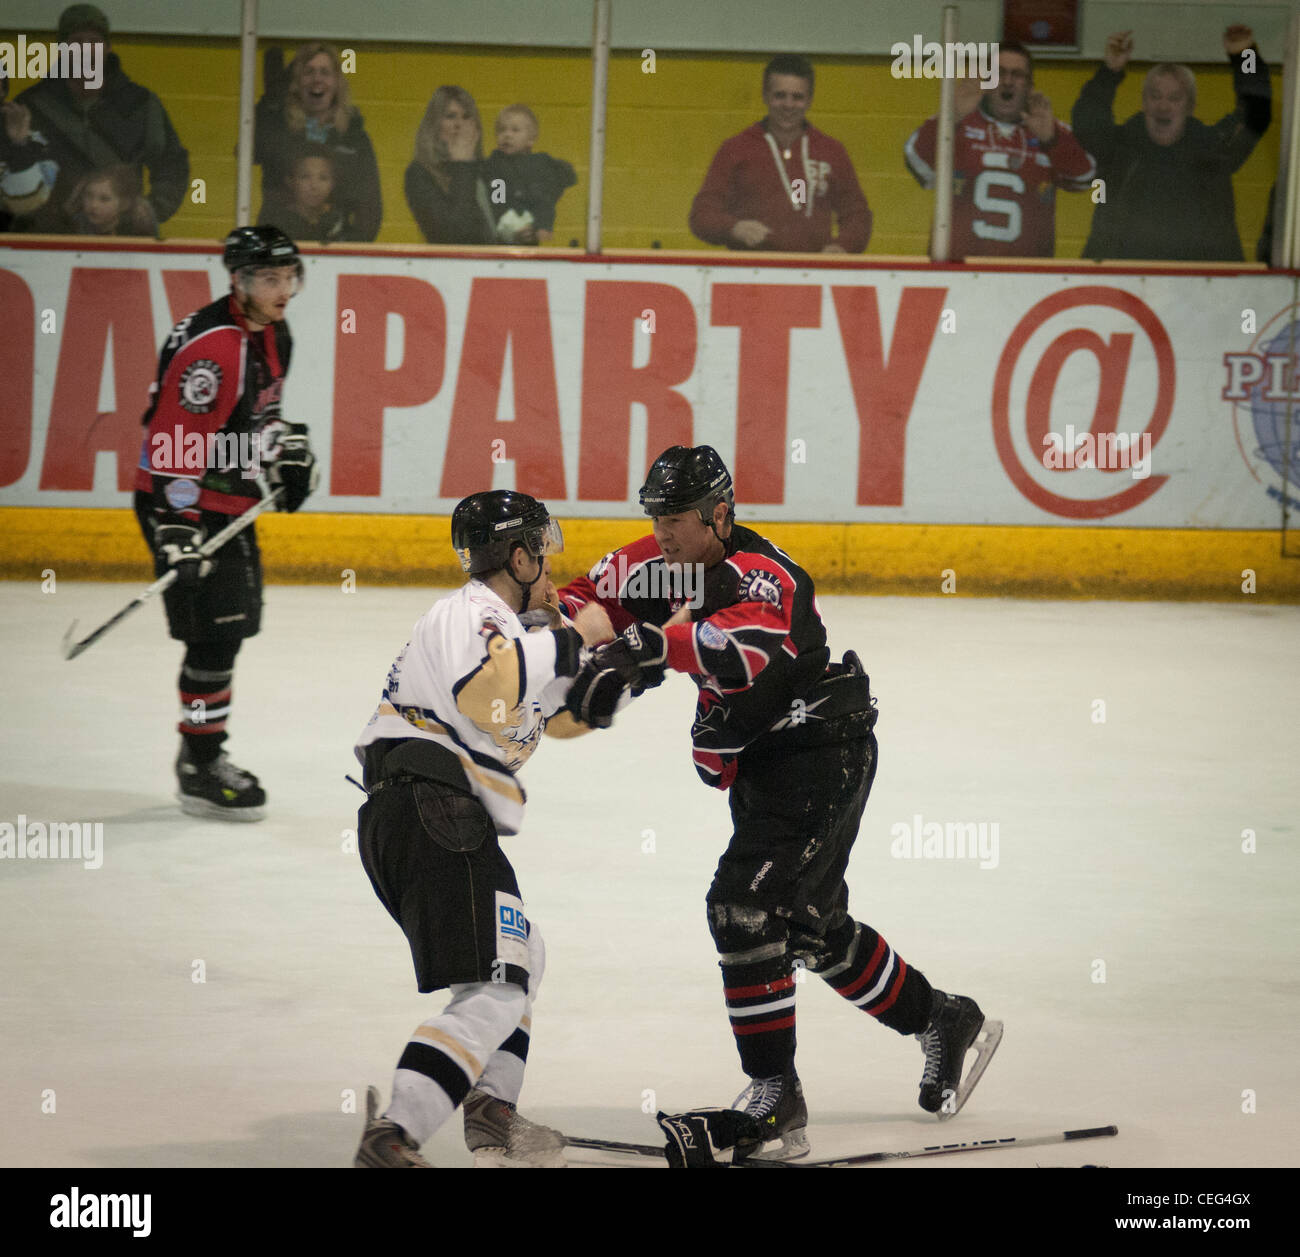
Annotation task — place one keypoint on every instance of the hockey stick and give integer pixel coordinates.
(72, 649)
(934, 1150)
(866, 1158)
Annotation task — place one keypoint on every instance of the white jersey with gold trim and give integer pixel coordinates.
(475, 681)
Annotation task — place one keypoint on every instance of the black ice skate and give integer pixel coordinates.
(498, 1136)
(218, 789)
(384, 1144)
(956, 1026)
(778, 1106)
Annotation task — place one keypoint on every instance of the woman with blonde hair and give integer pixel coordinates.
(444, 182)
(310, 103)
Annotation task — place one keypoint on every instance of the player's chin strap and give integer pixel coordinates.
(525, 587)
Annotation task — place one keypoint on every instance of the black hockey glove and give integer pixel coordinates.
(294, 471)
(638, 655)
(177, 546)
(594, 694)
(708, 1138)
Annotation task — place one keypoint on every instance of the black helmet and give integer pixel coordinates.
(486, 527)
(686, 478)
(259, 246)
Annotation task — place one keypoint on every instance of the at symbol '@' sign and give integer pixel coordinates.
(1112, 357)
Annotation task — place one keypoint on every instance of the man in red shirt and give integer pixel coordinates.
(777, 184)
(1009, 157)
(212, 428)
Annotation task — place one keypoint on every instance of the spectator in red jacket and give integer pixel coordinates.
(1010, 154)
(778, 184)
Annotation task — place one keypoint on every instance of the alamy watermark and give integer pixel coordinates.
(202, 451)
(1106, 451)
(36, 60)
(681, 583)
(920, 60)
(55, 840)
(919, 839)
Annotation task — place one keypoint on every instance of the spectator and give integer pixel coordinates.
(777, 184)
(444, 182)
(1168, 176)
(1009, 157)
(311, 103)
(309, 211)
(108, 203)
(115, 122)
(524, 186)
(26, 172)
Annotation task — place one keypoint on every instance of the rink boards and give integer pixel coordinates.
(901, 427)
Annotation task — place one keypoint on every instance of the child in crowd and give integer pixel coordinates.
(523, 186)
(108, 202)
(309, 211)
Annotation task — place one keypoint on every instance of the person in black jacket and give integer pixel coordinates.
(310, 104)
(27, 172)
(445, 185)
(524, 186)
(1168, 176)
(117, 122)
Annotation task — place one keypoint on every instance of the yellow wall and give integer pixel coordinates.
(663, 128)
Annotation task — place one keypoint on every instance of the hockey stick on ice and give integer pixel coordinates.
(72, 649)
(934, 1150)
(865, 1158)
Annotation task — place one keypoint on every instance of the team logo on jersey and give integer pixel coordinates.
(200, 383)
(759, 586)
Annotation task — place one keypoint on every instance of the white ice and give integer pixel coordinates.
(1120, 856)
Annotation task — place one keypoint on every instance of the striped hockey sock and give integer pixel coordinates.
(205, 689)
(503, 1076)
(760, 1003)
(858, 964)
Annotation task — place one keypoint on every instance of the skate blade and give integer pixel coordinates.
(192, 806)
(984, 1045)
(792, 1145)
(500, 1159)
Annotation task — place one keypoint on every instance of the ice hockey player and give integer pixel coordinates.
(465, 703)
(790, 735)
(213, 427)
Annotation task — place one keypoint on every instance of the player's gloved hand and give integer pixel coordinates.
(594, 694)
(177, 545)
(638, 655)
(295, 471)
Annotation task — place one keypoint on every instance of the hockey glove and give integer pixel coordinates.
(594, 694)
(637, 655)
(295, 472)
(177, 546)
(708, 1138)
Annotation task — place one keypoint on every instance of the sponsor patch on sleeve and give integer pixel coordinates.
(711, 635)
(200, 384)
(759, 586)
(181, 493)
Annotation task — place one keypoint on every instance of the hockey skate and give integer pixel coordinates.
(778, 1106)
(218, 789)
(956, 1026)
(499, 1137)
(384, 1144)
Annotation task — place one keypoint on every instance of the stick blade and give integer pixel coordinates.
(70, 648)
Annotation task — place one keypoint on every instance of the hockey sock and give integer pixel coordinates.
(503, 1076)
(760, 1003)
(858, 964)
(446, 1055)
(205, 684)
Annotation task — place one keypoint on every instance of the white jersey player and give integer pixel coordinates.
(464, 706)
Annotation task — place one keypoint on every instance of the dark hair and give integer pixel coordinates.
(302, 151)
(1012, 46)
(789, 63)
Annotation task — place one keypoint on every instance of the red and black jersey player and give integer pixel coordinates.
(791, 736)
(212, 429)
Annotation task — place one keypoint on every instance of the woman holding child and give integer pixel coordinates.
(304, 111)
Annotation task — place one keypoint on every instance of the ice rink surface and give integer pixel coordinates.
(1120, 832)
